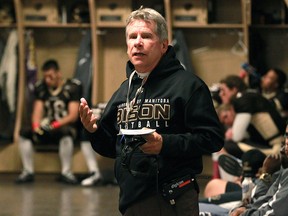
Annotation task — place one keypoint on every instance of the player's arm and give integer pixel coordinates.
(37, 113)
(240, 125)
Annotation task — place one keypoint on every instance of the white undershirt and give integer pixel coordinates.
(142, 75)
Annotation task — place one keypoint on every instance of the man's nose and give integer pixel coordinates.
(138, 41)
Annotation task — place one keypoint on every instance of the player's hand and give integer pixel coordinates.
(229, 134)
(40, 134)
(87, 117)
(153, 143)
(37, 130)
(48, 127)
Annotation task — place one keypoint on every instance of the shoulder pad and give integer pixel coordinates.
(76, 81)
(239, 94)
(40, 85)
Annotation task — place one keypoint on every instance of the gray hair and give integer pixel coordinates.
(149, 14)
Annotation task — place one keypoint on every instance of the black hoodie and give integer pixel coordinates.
(178, 105)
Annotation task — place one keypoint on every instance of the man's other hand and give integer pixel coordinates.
(87, 117)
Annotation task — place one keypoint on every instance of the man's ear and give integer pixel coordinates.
(235, 91)
(164, 46)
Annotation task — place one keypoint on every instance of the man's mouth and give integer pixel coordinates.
(138, 54)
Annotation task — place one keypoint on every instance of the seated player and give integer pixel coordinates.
(54, 120)
(272, 87)
(251, 120)
(274, 201)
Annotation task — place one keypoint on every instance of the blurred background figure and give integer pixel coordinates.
(54, 120)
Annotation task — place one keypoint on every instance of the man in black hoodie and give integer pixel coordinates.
(156, 176)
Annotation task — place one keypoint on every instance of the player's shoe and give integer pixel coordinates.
(230, 164)
(93, 179)
(68, 178)
(25, 177)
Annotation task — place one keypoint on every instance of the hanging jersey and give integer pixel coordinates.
(83, 69)
(8, 71)
(30, 79)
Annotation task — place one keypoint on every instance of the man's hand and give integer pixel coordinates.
(237, 211)
(87, 117)
(271, 164)
(153, 143)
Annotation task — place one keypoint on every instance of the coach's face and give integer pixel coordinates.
(144, 47)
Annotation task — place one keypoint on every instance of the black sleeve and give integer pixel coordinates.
(104, 139)
(205, 134)
(40, 90)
